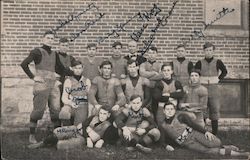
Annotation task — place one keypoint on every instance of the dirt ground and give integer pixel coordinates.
(14, 147)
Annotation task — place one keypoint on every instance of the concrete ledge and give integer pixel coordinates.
(225, 124)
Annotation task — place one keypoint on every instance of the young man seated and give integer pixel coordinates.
(194, 101)
(99, 129)
(186, 132)
(136, 126)
(95, 130)
(75, 97)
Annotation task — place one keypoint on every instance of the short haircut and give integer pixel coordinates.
(106, 107)
(207, 45)
(131, 61)
(48, 32)
(153, 48)
(117, 44)
(180, 46)
(167, 64)
(196, 71)
(134, 96)
(168, 103)
(63, 40)
(91, 45)
(76, 63)
(106, 62)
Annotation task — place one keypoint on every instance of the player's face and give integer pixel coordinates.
(48, 40)
(181, 52)
(106, 70)
(209, 52)
(64, 47)
(151, 55)
(103, 115)
(91, 51)
(167, 72)
(195, 77)
(136, 104)
(169, 111)
(78, 69)
(117, 51)
(133, 70)
(132, 47)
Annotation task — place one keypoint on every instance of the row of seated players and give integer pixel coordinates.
(135, 127)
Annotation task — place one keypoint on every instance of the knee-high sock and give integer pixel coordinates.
(33, 124)
(214, 126)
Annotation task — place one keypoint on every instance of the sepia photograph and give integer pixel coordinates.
(124, 80)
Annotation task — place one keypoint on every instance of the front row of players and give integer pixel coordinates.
(137, 129)
(133, 124)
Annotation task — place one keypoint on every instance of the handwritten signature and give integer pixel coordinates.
(88, 23)
(81, 88)
(141, 16)
(162, 21)
(77, 99)
(72, 17)
(199, 34)
(63, 23)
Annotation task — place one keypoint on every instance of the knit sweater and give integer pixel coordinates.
(106, 91)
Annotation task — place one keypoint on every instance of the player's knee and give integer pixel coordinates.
(37, 115)
(144, 124)
(64, 113)
(155, 133)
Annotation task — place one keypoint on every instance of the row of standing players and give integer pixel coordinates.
(130, 88)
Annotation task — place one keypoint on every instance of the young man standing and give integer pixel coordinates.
(151, 68)
(181, 65)
(118, 61)
(210, 77)
(66, 59)
(46, 64)
(91, 62)
(106, 90)
(133, 53)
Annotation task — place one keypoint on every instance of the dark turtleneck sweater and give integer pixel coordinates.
(157, 92)
(219, 66)
(36, 56)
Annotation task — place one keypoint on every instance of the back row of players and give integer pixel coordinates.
(126, 97)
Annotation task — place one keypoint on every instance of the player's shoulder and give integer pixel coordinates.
(96, 79)
(146, 112)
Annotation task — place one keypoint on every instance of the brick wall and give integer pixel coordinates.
(24, 21)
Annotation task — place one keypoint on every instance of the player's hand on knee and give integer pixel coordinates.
(209, 136)
(99, 143)
(140, 131)
(169, 148)
(126, 133)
